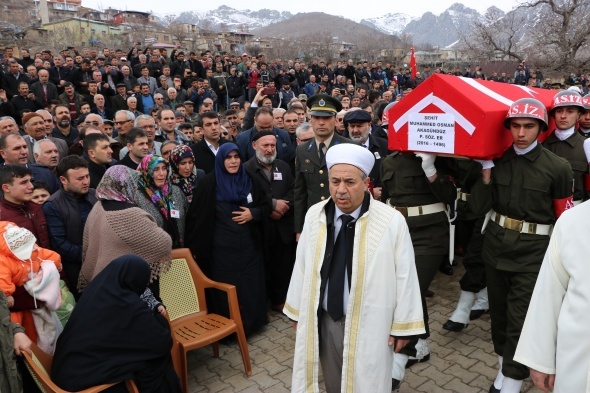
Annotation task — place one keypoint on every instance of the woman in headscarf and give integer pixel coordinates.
(113, 336)
(184, 174)
(224, 233)
(116, 226)
(164, 201)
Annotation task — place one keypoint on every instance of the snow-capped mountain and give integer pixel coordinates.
(438, 30)
(230, 18)
(389, 23)
(444, 29)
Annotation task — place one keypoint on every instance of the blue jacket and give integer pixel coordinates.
(285, 150)
(310, 89)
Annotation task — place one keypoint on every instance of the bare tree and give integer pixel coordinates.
(563, 32)
(176, 28)
(496, 35)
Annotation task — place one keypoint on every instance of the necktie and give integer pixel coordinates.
(322, 154)
(337, 269)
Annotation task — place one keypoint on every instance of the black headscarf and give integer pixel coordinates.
(112, 335)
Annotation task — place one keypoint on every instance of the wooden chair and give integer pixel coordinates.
(39, 364)
(182, 290)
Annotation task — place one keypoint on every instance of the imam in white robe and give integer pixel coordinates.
(555, 338)
(384, 299)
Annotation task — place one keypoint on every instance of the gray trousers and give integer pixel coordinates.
(331, 350)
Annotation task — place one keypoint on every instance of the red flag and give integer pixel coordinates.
(413, 64)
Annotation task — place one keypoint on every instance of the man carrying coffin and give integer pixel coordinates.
(566, 142)
(523, 192)
(417, 186)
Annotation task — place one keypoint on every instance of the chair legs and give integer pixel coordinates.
(184, 376)
(215, 347)
(244, 349)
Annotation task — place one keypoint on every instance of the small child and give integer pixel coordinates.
(20, 260)
(41, 192)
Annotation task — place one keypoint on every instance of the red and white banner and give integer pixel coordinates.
(460, 116)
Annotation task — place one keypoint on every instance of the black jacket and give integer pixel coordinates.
(280, 186)
(204, 157)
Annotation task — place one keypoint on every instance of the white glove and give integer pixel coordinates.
(486, 164)
(427, 163)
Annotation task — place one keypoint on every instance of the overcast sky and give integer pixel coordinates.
(348, 8)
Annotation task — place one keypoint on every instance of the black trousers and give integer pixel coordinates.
(474, 279)
(509, 295)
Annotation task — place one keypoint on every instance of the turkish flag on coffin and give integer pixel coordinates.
(458, 116)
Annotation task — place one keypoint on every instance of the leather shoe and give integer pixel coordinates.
(411, 362)
(446, 269)
(428, 293)
(493, 389)
(476, 314)
(395, 383)
(452, 326)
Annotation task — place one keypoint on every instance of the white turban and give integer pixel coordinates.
(349, 153)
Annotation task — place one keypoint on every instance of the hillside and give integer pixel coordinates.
(321, 25)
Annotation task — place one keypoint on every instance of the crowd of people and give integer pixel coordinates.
(278, 177)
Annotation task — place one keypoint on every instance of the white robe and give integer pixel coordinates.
(555, 339)
(384, 299)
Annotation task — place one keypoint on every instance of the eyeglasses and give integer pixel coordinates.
(159, 98)
(121, 122)
(94, 123)
(148, 127)
(207, 104)
(304, 140)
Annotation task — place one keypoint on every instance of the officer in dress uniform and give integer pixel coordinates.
(566, 142)
(311, 173)
(417, 186)
(527, 190)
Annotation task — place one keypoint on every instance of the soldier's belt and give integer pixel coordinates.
(520, 225)
(463, 196)
(414, 211)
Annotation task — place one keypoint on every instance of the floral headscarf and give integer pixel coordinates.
(178, 154)
(159, 196)
(119, 183)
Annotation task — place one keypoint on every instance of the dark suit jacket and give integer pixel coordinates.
(62, 148)
(10, 83)
(52, 94)
(55, 76)
(311, 178)
(119, 103)
(109, 113)
(280, 186)
(204, 157)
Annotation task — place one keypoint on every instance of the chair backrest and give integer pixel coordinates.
(179, 286)
(39, 365)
